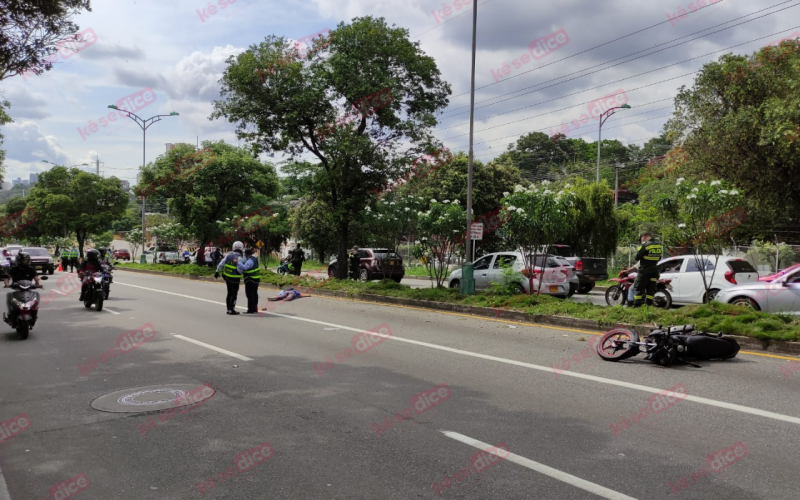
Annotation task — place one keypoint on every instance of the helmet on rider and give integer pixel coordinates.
(238, 246)
(93, 256)
(23, 259)
(103, 251)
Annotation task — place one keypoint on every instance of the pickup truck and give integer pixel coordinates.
(587, 269)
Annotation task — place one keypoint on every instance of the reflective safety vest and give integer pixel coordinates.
(648, 255)
(253, 275)
(230, 271)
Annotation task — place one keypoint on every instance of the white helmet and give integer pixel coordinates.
(238, 245)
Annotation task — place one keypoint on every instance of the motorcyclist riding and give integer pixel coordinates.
(22, 270)
(87, 268)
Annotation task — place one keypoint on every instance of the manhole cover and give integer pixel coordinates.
(153, 398)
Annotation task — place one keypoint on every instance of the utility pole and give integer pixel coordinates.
(467, 276)
(616, 184)
(97, 163)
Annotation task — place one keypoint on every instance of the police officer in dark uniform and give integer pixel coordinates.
(64, 259)
(355, 261)
(298, 257)
(648, 255)
(252, 276)
(232, 276)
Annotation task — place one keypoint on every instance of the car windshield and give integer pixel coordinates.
(561, 250)
(37, 252)
(385, 254)
(551, 261)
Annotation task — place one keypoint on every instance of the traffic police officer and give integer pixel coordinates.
(65, 256)
(355, 262)
(73, 259)
(232, 276)
(648, 255)
(252, 276)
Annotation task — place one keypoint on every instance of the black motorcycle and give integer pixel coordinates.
(107, 279)
(667, 346)
(23, 306)
(95, 295)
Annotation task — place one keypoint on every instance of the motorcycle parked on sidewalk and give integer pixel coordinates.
(617, 295)
(23, 306)
(667, 346)
(94, 290)
(285, 267)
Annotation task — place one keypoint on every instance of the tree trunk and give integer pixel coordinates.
(341, 268)
(320, 254)
(81, 237)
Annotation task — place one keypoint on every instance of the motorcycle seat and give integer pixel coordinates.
(681, 329)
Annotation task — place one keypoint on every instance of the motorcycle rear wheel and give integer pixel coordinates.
(23, 329)
(99, 304)
(616, 296)
(87, 303)
(615, 345)
(662, 299)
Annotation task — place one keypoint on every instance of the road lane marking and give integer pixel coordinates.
(60, 293)
(583, 484)
(592, 378)
(4, 494)
(109, 310)
(213, 348)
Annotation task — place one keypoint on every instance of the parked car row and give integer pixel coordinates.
(41, 260)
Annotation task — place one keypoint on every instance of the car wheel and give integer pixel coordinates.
(455, 284)
(363, 275)
(711, 295)
(518, 289)
(584, 289)
(50, 271)
(745, 302)
(398, 279)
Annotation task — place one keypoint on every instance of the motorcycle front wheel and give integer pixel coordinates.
(282, 271)
(23, 329)
(615, 296)
(99, 303)
(617, 344)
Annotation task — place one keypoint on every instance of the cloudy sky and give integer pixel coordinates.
(177, 48)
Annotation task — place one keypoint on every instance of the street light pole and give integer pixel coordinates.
(603, 117)
(467, 276)
(143, 124)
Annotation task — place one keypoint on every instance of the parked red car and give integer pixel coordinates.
(121, 255)
(780, 273)
(376, 264)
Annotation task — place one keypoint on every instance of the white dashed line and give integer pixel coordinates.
(213, 348)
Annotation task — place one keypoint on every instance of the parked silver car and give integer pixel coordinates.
(559, 277)
(781, 295)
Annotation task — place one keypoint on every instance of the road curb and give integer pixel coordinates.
(747, 343)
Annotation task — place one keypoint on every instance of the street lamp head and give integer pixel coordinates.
(113, 106)
(625, 106)
(174, 114)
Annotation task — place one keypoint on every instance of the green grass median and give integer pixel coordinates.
(712, 317)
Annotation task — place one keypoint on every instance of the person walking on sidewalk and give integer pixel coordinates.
(252, 276)
(298, 257)
(232, 277)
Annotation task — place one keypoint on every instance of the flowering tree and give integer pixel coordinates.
(172, 233)
(701, 216)
(440, 229)
(536, 218)
(392, 218)
(134, 239)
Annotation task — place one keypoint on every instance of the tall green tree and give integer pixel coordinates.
(740, 121)
(362, 103)
(205, 186)
(33, 30)
(72, 201)
(4, 119)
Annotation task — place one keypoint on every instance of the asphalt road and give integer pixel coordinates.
(338, 431)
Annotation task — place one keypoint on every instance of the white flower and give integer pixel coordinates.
(680, 179)
(716, 183)
(681, 226)
(520, 211)
(694, 190)
(456, 202)
(567, 185)
(420, 213)
(417, 242)
(368, 209)
(392, 203)
(723, 191)
(701, 182)
(547, 191)
(447, 201)
(733, 191)
(433, 200)
(560, 193)
(227, 219)
(511, 208)
(506, 193)
(545, 182)
(455, 230)
(406, 209)
(691, 196)
(424, 239)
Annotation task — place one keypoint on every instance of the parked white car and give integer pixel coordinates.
(687, 280)
(781, 295)
(560, 279)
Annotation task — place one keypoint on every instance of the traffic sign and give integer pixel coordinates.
(260, 244)
(476, 231)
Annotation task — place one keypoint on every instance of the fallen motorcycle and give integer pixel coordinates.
(617, 295)
(667, 346)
